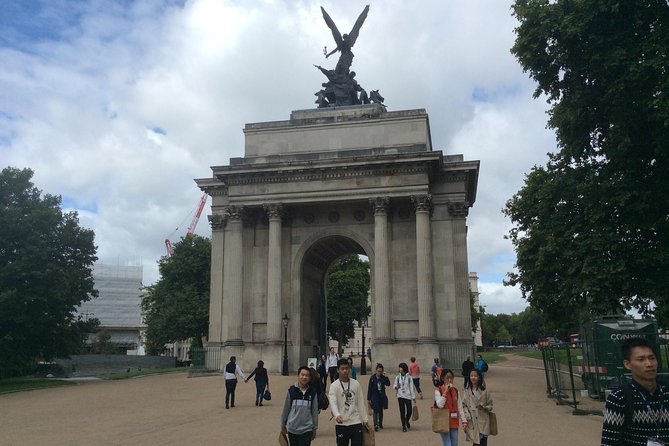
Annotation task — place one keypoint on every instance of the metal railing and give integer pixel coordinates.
(206, 358)
(560, 369)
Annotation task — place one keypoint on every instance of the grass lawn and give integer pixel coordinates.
(20, 384)
(10, 385)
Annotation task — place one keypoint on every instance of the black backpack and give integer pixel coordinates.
(485, 367)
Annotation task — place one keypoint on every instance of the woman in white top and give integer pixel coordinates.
(406, 395)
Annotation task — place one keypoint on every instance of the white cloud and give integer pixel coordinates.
(82, 85)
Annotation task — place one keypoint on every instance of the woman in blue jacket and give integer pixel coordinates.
(376, 395)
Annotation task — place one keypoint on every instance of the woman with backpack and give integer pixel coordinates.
(476, 408)
(376, 395)
(446, 398)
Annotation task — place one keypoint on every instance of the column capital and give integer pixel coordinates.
(422, 203)
(234, 213)
(217, 221)
(458, 208)
(274, 210)
(380, 205)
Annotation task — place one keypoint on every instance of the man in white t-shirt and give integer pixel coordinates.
(348, 406)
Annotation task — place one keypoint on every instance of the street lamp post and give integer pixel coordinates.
(363, 360)
(284, 369)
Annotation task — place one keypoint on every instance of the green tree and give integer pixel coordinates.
(176, 307)
(590, 228)
(347, 293)
(102, 344)
(45, 274)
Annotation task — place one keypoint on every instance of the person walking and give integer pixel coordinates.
(232, 370)
(376, 395)
(467, 367)
(331, 364)
(481, 365)
(347, 404)
(637, 413)
(299, 418)
(433, 370)
(414, 373)
(259, 375)
(406, 395)
(323, 372)
(476, 408)
(354, 373)
(446, 398)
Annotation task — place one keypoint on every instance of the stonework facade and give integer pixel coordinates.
(328, 183)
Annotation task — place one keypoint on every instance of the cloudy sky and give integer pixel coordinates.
(118, 105)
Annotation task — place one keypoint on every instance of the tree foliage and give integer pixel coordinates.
(525, 327)
(347, 296)
(591, 228)
(176, 307)
(45, 274)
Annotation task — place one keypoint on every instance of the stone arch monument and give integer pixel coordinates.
(329, 182)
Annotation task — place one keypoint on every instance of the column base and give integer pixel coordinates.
(384, 341)
(427, 340)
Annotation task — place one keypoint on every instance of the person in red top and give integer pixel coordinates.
(446, 397)
(414, 373)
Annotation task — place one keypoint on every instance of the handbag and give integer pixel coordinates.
(283, 439)
(367, 437)
(440, 420)
(414, 412)
(267, 395)
(493, 423)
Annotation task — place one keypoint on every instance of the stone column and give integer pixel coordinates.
(458, 211)
(232, 277)
(426, 327)
(381, 274)
(217, 223)
(274, 313)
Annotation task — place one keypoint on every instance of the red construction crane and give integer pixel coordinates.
(193, 224)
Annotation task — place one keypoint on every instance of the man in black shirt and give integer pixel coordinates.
(467, 368)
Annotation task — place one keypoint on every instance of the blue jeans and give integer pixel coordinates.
(260, 390)
(450, 438)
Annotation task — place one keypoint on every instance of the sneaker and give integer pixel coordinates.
(227, 407)
(376, 428)
(260, 403)
(256, 402)
(408, 425)
(404, 429)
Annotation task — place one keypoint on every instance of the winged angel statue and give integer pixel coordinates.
(342, 88)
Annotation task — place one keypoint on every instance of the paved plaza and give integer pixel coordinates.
(175, 410)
